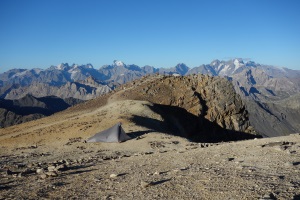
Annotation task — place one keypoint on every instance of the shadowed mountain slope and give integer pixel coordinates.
(30, 108)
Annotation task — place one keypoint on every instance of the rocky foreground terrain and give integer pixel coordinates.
(49, 158)
(153, 166)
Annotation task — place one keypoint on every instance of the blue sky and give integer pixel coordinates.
(161, 33)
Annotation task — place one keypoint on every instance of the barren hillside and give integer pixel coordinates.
(48, 158)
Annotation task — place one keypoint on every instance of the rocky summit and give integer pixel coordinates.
(197, 106)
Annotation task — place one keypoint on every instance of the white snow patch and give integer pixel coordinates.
(219, 66)
(119, 63)
(20, 74)
(60, 66)
(236, 62)
(89, 66)
(225, 69)
(282, 69)
(73, 73)
(37, 70)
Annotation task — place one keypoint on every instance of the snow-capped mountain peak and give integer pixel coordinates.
(119, 63)
(62, 66)
(236, 62)
(215, 62)
(89, 66)
(20, 74)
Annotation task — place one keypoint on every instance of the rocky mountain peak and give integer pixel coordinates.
(192, 103)
(119, 63)
(92, 81)
(238, 61)
(215, 62)
(62, 66)
(181, 68)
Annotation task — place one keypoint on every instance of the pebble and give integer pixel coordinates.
(184, 168)
(62, 167)
(40, 171)
(268, 197)
(30, 165)
(113, 175)
(51, 168)
(43, 176)
(51, 173)
(156, 173)
(145, 184)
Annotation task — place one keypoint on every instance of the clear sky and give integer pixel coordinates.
(161, 33)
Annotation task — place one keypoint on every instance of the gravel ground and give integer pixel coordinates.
(165, 167)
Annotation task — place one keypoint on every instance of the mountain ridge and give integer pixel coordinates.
(265, 89)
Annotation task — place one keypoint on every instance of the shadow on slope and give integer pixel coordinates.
(137, 134)
(32, 105)
(42, 105)
(29, 108)
(177, 121)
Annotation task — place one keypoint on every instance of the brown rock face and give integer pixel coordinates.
(200, 106)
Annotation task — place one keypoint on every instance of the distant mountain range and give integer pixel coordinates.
(270, 93)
